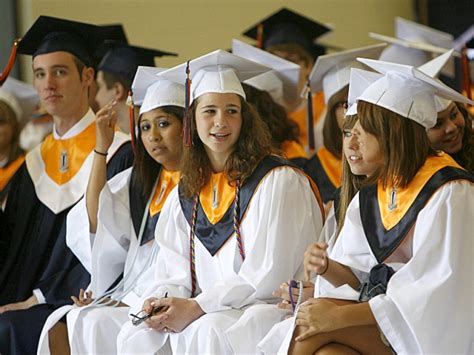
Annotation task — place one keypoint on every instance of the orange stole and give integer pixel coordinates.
(75, 150)
(406, 197)
(7, 172)
(331, 165)
(292, 149)
(300, 117)
(167, 181)
(216, 197)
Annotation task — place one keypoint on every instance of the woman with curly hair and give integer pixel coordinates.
(236, 227)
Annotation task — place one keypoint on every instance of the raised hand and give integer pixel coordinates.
(106, 118)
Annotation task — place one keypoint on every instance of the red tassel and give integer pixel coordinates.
(187, 141)
(466, 75)
(11, 62)
(131, 115)
(260, 36)
(309, 119)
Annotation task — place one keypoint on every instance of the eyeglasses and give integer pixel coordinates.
(142, 316)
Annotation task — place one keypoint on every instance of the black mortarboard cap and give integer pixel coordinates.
(51, 34)
(286, 26)
(123, 60)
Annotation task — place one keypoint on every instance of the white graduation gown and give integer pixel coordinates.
(429, 304)
(113, 250)
(282, 218)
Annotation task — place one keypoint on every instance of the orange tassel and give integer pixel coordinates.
(11, 62)
(131, 114)
(187, 139)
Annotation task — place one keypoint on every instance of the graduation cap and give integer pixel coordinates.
(123, 59)
(21, 97)
(151, 91)
(216, 72)
(281, 82)
(399, 88)
(51, 34)
(286, 26)
(331, 72)
(433, 68)
(415, 44)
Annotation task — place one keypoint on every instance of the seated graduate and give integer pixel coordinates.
(41, 272)
(387, 284)
(269, 93)
(292, 36)
(17, 102)
(351, 183)
(331, 74)
(129, 208)
(236, 227)
(453, 132)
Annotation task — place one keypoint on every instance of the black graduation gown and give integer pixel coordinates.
(38, 257)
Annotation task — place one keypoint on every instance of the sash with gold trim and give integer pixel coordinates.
(383, 240)
(326, 171)
(213, 236)
(138, 205)
(60, 169)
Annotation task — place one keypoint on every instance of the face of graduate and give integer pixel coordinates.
(448, 132)
(218, 122)
(362, 151)
(161, 134)
(104, 95)
(62, 90)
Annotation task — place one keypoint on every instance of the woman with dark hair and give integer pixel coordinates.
(120, 253)
(283, 131)
(387, 284)
(452, 133)
(331, 74)
(233, 230)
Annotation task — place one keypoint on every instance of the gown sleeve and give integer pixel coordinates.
(428, 307)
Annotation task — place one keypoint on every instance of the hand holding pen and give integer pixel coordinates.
(149, 310)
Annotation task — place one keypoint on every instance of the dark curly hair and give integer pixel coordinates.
(253, 145)
(281, 127)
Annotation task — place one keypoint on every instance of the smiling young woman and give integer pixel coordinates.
(227, 225)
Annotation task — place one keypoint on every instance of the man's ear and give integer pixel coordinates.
(120, 93)
(88, 75)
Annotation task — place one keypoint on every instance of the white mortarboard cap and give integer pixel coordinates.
(432, 68)
(21, 97)
(413, 31)
(288, 72)
(218, 72)
(271, 83)
(415, 43)
(402, 89)
(144, 77)
(332, 71)
(153, 92)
